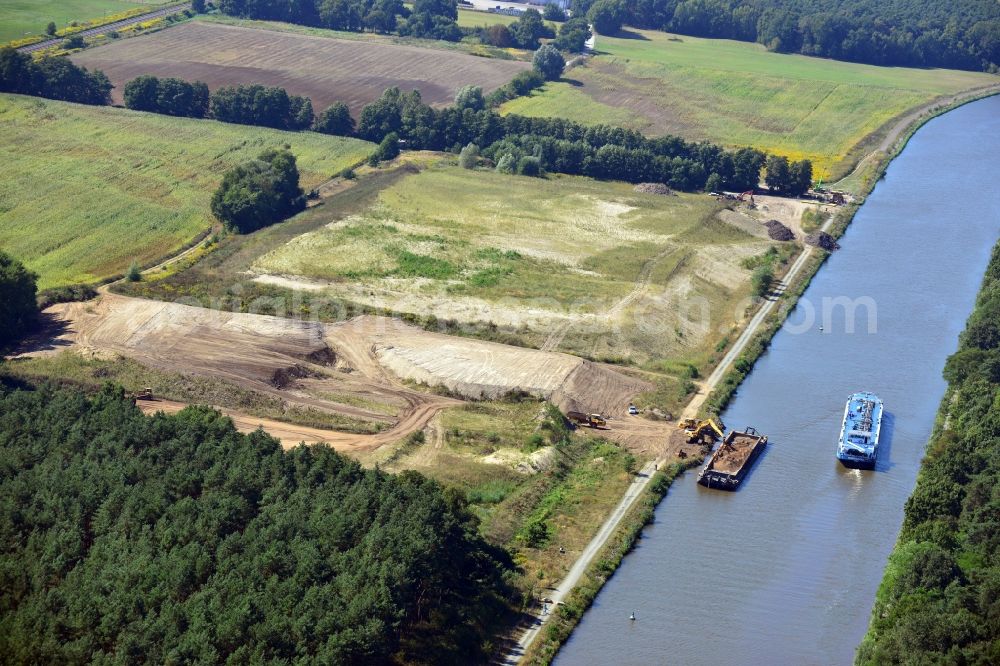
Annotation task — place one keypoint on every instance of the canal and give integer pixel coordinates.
(785, 570)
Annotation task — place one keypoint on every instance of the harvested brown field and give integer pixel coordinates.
(324, 69)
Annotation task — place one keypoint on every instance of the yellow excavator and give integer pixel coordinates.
(696, 430)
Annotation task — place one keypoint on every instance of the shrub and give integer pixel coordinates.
(468, 157)
(74, 42)
(529, 166)
(506, 164)
(760, 280)
(133, 274)
(67, 294)
(389, 147)
(536, 533)
(524, 82)
(498, 35)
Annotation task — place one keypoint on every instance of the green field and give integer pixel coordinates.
(88, 189)
(473, 19)
(23, 18)
(531, 253)
(740, 94)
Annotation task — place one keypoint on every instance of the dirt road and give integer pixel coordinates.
(903, 124)
(292, 435)
(579, 567)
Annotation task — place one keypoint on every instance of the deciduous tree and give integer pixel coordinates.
(548, 62)
(18, 309)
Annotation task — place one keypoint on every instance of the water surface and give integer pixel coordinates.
(785, 570)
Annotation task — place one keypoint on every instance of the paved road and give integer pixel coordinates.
(165, 11)
(633, 493)
(744, 339)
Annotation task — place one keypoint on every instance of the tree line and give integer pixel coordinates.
(431, 19)
(939, 601)
(52, 78)
(176, 539)
(560, 145)
(918, 33)
(252, 104)
(554, 144)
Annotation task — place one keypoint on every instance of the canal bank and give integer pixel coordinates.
(583, 589)
(919, 254)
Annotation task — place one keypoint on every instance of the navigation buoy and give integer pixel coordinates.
(632, 616)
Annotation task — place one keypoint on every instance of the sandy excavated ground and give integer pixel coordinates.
(784, 210)
(367, 357)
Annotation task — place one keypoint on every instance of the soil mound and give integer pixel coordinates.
(653, 188)
(823, 240)
(779, 232)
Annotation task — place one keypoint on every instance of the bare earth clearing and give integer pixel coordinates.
(323, 69)
(304, 363)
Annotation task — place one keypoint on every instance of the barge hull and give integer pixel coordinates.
(731, 462)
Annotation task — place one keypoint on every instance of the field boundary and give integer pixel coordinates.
(104, 27)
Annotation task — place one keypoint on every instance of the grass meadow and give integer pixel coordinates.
(740, 94)
(530, 253)
(88, 189)
(489, 450)
(468, 18)
(24, 18)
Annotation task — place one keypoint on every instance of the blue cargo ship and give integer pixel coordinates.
(859, 435)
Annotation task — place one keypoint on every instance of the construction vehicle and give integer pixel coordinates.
(687, 424)
(144, 394)
(592, 420)
(696, 430)
(747, 196)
